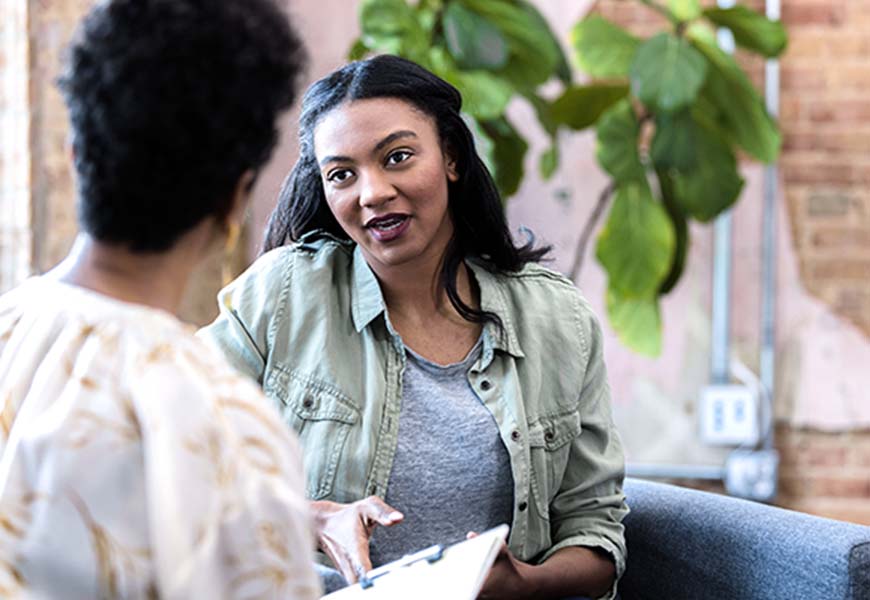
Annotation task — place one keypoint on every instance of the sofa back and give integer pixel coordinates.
(686, 544)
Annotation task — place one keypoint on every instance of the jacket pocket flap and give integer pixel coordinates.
(310, 398)
(553, 432)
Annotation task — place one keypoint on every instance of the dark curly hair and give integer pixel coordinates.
(171, 102)
(480, 227)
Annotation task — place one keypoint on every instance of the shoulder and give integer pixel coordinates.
(536, 287)
(537, 280)
(316, 254)
(181, 384)
(172, 363)
(547, 306)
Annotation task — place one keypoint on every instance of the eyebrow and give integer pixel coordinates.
(396, 135)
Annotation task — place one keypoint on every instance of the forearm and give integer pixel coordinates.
(573, 571)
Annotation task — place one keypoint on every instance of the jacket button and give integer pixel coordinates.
(485, 384)
(549, 436)
(307, 403)
(515, 435)
(522, 506)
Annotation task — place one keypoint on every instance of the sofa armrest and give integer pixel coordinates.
(686, 544)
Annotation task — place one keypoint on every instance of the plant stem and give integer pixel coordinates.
(589, 227)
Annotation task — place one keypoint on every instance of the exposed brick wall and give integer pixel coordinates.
(825, 118)
(15, 238)
(826, 158)
(51, 25)
(826, 474)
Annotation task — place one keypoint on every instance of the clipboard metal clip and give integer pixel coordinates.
(430, 555)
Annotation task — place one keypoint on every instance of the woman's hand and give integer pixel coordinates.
(344, 530)
(508, 578)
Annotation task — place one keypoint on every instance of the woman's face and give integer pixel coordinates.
(385, 176)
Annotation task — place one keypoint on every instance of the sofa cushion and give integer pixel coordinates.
(686, 544)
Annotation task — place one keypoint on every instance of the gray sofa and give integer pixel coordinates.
(686, 544)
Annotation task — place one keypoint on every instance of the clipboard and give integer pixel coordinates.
(456, 572)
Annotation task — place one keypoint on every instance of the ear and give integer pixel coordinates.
(450, 166)
(241, 195)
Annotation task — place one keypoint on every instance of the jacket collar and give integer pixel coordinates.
(367, 302)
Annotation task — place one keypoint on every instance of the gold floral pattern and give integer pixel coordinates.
(115, 563)
(148, 450)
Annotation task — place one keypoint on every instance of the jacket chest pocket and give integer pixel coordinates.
(549, 448)
(322, 418)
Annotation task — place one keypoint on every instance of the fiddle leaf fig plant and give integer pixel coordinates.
(493, 51)
(671, 113)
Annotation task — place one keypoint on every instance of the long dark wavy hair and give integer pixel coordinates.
(480, 228)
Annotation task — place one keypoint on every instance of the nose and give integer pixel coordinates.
(375, 189)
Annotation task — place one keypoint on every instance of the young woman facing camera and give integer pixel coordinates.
(440, 380)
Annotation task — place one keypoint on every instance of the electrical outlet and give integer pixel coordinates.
(729, 415)
(752, 474)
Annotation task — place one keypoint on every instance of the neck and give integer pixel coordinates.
(154, 279)
(413, 290)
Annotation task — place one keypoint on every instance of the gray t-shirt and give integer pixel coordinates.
(451, 472)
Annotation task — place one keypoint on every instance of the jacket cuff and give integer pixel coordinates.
(587, 541)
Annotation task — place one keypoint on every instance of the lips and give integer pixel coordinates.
(388, 227)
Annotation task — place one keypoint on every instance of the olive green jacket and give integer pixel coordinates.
(309, 323)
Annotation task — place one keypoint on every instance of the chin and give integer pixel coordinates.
(392, 257)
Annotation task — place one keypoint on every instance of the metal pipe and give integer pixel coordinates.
(720, 346)
(767, 359)
(720, 343)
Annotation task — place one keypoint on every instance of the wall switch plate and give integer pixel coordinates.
(752, 474)
(729, 415)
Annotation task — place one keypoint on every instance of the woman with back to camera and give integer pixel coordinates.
(134, 462)
(441, 381)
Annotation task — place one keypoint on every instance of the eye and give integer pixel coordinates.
(339, 175)
(397, 157)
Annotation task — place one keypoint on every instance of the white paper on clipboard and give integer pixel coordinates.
(458, 574)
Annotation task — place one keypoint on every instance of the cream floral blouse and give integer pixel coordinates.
(135, 463)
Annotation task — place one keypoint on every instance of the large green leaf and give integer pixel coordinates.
(533, 52)
(713, 184)
(701, 30)
(601, 48)
(751, 30)
(737, 109)
(581, 106)
(617, 143)
(685, 10)
(667, 73)
(543, 110)
(538, 22)
(473, 41)
(358, 50)
(391, 26)
(700, 163)
(636, 321)
(681, 229)
(484, 95)
(673, 145)
(508, 152)
(636, 245)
